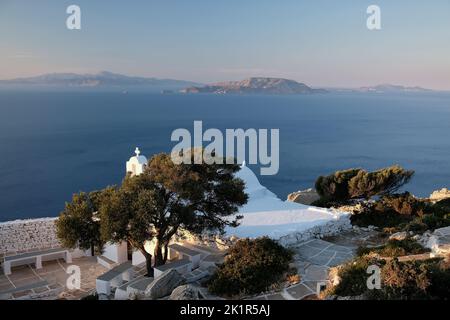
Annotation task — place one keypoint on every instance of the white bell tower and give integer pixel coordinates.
(136, 165)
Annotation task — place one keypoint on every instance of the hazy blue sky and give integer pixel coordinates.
(320, 42)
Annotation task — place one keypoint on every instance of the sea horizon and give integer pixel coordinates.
(55, 144)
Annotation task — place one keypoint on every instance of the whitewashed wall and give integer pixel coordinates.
(116, 252)
(24, 235)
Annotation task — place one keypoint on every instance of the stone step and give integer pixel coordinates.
(107, 263)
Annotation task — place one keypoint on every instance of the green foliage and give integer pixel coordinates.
(439, 275)
(77, 225)
(382, 182)
(354, 277)
(404, 213)
(404, 204)
(251, 266)
(335, 187)
(345, 185)
(443, 205)
(403, 281)
(410, 280)
(379, 217)
(395, 248)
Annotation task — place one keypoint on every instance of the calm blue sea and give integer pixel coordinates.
(55, 144)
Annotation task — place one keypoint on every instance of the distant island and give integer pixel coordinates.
(106, 80)
(255, 85)
(102, 79)
(386, 88)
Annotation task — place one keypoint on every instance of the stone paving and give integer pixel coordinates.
(313, 259)
(26, 282)
(323, 253)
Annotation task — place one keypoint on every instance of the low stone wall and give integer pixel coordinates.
(25, 235)
(330, 228)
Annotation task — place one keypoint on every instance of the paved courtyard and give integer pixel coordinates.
(313, 259)
(26, 282)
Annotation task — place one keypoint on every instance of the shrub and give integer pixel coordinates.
(335, 186)
(403, 281)
(433, 217)
(429, 279)
(443, 205)
(435, 221)
(381, 182)
(395, 248)
(402, 212)
(405, 204)
(353, 277)
(345, 185)
(439, 274)
(251, 266)
(379, 216)
(417, 225)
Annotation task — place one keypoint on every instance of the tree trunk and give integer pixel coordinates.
(166, 252)
(148, 262)
(92, 250)
(159, 260)
(148, 265)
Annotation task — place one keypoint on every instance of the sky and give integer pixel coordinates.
(323, 43)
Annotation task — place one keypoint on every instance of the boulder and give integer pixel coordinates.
(164, 284)
(306, 197)
(424, 238)
(439, 195)
(439, 242)
(185, 292)
(399, 236)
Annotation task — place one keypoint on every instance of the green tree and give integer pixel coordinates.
(335, 187)
(382, 182)
(350, 184)
(251, 266)
(167, 198)
(77, 225)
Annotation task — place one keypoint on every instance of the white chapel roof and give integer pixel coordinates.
(267, 215)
